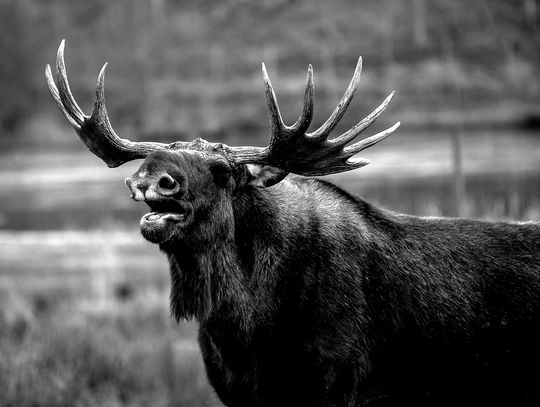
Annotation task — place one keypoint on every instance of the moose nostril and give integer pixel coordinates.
(167, 182)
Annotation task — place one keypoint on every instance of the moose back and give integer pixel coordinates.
(308, 296)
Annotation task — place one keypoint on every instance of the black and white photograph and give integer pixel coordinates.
(269, 203)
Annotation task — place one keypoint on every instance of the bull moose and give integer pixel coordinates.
(306, 295)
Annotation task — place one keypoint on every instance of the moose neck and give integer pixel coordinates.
(235, 269)
(214, 274)
(205, 282)
(206, 279)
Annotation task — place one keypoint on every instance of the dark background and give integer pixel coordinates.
(83, 298)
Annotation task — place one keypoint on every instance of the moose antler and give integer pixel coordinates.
(291, 149)
(96, 131)
(314, 153)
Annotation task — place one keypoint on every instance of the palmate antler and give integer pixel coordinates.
(291, 149)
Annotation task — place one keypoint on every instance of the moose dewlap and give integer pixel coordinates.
(306, 295)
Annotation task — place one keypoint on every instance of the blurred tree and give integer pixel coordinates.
(15, 53)
(160, 50)
(529, 9)
(157, 10)
(420, 23)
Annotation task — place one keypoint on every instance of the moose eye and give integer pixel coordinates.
(167, 182)
(221, 172)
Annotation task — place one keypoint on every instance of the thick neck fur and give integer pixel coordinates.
(206, 281)
(211, 270)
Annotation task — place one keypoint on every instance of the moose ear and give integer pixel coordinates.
(221, 172)
(264, 176)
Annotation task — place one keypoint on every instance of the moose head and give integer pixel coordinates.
(190, 185)
(189, 193)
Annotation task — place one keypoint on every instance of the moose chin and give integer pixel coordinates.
(308, 296)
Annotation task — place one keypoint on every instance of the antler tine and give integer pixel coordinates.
(363, 124)
(341, 108)
(276, 121)
(100, 110)
(56, 96)
(107, 140)
(305, 118)
(368, 142)
(63, 86)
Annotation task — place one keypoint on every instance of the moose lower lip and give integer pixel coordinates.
(163, 216)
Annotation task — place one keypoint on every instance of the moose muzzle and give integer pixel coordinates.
(145, 187)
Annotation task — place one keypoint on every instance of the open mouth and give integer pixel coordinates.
(165, 211)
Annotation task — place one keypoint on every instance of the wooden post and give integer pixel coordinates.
(459, 178)
(457, 135)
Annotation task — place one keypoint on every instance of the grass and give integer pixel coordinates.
(130, 355)
(80, 327)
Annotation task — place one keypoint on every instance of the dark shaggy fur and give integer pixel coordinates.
(308, 296)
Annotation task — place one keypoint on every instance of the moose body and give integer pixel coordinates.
(315, 297)
(308, 296)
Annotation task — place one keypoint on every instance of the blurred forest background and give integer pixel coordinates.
(83, 299)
